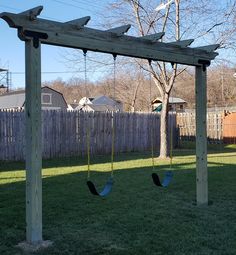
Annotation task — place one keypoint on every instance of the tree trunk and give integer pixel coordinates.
(164, 127)
(135, 95)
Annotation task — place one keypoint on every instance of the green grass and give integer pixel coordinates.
(137, 218)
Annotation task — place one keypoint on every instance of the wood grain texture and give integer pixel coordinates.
(33, 144)
(201, 137)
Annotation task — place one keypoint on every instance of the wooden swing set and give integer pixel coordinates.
(35, 31)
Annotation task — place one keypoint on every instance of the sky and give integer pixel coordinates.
(53, 63)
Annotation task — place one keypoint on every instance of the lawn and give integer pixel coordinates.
(137, 218)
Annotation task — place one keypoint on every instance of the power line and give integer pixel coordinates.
(69, 4)
(58, 72)
(18, 10)
(87, 4)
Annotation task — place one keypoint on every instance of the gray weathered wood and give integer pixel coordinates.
(209, 48)
(63, 133)
(79, 23)
(32, 13)
(186, 123)
(183, 43)
(153, 37)
(201, 137)
(33, 143)
(56, 33)
(119, 31)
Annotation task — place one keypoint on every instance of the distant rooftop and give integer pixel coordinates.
(172, 100)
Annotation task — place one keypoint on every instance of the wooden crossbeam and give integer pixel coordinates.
(182, 43)
(33, 13)
(35, 31)
(153, 37)
(119, 31)
(79, 23)
(209, 48)
(56, 33)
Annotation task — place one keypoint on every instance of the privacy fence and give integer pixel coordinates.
(187, 127)
(65, 133)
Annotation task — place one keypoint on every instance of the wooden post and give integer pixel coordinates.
(201, 136)
(33, 143)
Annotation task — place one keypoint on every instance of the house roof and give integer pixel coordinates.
(172, 100)
(97, 98)
(16, 99)
(101, 107)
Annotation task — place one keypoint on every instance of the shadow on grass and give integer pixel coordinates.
(82, 160)
(137, 217)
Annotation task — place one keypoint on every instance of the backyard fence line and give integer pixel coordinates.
(65, 133)
(186, 123)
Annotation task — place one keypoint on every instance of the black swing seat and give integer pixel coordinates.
(167, 179)
(106, 190)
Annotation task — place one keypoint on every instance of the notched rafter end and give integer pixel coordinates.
(209, 48)
(79, 23)
(153, 37)
(119, 31)
(33, 13)
(182, 43)
(7, 17)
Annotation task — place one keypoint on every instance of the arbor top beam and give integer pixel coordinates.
(67, 34)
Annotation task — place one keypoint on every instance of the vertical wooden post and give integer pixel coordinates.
(201, 135)
(33, 143)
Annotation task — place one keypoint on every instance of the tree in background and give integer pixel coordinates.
(179, 19)
(204, 21)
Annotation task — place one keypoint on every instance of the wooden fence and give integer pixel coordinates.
(229, 128)
(65, 133)
(186, 123)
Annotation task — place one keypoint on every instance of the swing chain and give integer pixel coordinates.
(85, 71)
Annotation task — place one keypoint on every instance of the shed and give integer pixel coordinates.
(51, 100)
(175, 104)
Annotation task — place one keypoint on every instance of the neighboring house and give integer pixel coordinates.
(51, 100)
(112, 105)
(98, 108)
(74, 107)
(86, 100)
(175, 104)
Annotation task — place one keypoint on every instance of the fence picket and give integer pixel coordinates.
(64, 133)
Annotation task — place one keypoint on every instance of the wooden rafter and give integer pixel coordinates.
(183, 43)
(79, 23)
(119, 31)
(153, 37)
(73, 34)
(33, 13)
(209, 48)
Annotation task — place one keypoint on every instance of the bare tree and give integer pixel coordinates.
(200, 20)
(145, 21)
(204, 21)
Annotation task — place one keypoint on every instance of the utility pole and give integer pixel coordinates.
(5, 79)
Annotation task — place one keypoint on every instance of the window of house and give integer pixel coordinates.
(46, 98)
(181, 107)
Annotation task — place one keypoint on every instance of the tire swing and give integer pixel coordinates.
(109, 184)
(169, 174)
